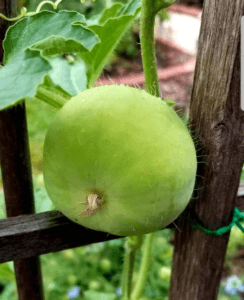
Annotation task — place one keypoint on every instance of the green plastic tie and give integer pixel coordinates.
(237, 219)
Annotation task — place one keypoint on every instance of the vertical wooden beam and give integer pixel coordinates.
(17, 176)
(216, 116)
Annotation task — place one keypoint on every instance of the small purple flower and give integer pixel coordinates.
(118, 292)
(74, 292)
(233, 285)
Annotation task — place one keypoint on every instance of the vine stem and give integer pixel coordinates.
(146, 256)
(148, 47)
(56, 100)
(133, 243)
(149, 10)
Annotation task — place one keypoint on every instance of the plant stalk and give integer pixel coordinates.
(133, 243)
(149, 10)
(146, 256)
(148, 47)
(50, 97)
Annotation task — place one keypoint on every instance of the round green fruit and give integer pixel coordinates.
(119, 160)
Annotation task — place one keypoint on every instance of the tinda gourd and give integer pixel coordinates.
(119, 160)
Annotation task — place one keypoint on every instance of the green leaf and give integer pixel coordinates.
(19, 78)
(28, 45)
(9, 292)
(49, 32)
(109, 13)
(169, 102)
(42, 201)
(70, 76)
(34, 49)
(114, 28)
(2, 206)
(5, 272)
(163, 15)
(42, 204)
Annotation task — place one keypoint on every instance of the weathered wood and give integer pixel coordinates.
(17, 177)
(18, 192)
(216, 116)
(5, 7)
(26, 236)
(29, 235)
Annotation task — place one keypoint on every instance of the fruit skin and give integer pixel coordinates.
(126, 146)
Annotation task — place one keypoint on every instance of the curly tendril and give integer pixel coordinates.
(54, 5)
(24, 13)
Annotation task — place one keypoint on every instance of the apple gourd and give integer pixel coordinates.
(119, 160)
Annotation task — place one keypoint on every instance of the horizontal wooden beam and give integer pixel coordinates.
(30, 235)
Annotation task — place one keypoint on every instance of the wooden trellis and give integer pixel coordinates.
(215, 113)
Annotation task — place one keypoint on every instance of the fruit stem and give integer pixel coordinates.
(51, 97)
(149, 9)
(146, 256)
(133, 243)
(148, 47)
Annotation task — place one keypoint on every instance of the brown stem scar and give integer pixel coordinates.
(94, 202)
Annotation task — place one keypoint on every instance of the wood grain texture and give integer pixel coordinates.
(29, 235)
(218, 120)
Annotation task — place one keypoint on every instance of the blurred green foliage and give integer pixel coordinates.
(95, 268)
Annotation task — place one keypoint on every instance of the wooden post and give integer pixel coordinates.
(17, 176)
(216, 116)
